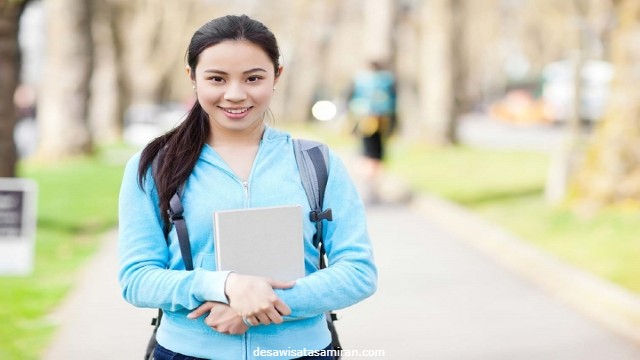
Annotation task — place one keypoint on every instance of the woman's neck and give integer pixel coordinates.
(225, 138)
(238, 149)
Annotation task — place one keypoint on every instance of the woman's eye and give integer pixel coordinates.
(217, 79)
(254, 78)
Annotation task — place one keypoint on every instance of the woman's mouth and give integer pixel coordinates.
(236, 111)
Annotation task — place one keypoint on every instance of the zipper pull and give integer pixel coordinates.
(245, 186)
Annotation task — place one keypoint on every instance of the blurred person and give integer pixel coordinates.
(25, 131)
(228, 157)
(24, 99)
(372, 104)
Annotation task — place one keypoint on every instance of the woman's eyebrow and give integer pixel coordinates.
(216, 71)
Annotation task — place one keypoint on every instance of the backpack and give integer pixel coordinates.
(312, 159)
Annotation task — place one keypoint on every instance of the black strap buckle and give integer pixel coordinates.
(316, 215)
(173, 216)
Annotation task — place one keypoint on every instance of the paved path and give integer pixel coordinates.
(438, 299)
(95, 322)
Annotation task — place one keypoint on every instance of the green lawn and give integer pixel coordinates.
(77, 203)
(506, 187)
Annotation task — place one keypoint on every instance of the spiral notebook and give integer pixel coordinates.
(264, 241)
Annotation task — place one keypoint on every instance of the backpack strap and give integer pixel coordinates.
(312, 158)
(175, 216)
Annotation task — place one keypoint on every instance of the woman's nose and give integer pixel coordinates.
(235, 93)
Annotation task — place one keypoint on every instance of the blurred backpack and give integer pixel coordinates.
(312, 159)
(372, 103)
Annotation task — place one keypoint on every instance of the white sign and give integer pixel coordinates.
(17, 225)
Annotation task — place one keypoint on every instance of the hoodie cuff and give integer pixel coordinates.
(209, 285)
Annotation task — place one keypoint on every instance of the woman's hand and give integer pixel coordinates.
(253, 298)
(222, 318)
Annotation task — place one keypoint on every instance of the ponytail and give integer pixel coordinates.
(181, 148)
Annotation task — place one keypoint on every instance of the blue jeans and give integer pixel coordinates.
(160, 353)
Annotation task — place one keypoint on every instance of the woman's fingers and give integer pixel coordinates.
(275, 317)
(262, 318)
(201, 310)
(282, 308)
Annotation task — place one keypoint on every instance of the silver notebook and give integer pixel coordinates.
(261, 241)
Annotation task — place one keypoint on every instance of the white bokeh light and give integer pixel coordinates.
(324, 110)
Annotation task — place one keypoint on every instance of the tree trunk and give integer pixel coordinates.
(304, 77)
(440, 59)
(9, 71)
(406, 67)
(611, 170)
(565, 158)
(64, 96)
(459, 68)
(379, 21)
(105, 110)
(153, 32)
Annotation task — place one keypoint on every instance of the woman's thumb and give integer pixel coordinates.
(201, 310)
(276, 284)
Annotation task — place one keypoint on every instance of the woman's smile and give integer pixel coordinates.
(236, 113)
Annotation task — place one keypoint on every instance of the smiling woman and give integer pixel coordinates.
(224, 157)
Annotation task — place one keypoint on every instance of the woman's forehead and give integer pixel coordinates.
(237, 56)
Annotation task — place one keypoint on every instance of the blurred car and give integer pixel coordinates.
(558, 89)
(519, 106)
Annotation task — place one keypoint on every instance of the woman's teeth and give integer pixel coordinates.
(236, 111)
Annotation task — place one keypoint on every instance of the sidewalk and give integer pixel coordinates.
(95, 322)
(438, 298)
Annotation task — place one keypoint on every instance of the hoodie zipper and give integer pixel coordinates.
(245, 184)
(245, 187)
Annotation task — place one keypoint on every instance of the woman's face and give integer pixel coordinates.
(234, 83)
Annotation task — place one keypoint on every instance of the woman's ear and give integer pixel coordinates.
(191, 76)
(278, 73)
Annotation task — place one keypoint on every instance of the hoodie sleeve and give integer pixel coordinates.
(351, 275)
(146, 276)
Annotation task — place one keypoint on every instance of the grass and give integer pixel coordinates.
(507, 188)
(77, 202)
(469, 176)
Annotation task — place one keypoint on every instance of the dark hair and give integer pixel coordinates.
(183, 144)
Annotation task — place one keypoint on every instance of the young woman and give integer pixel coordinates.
(228, 158)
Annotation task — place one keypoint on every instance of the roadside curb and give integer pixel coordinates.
(611, 305)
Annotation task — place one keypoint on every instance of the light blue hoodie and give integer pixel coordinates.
(153, 275)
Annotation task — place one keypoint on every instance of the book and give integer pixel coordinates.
(265, 241)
